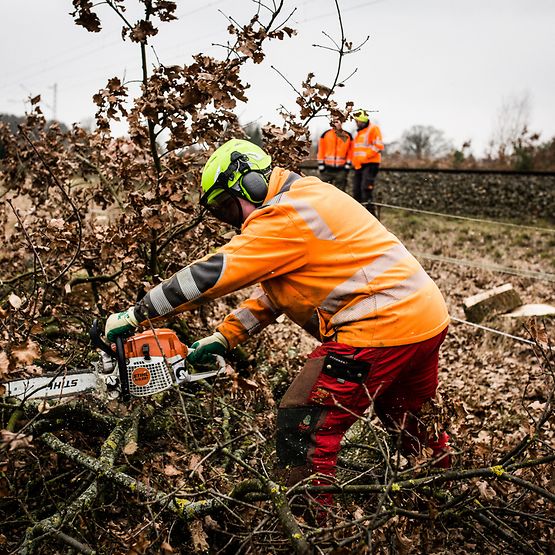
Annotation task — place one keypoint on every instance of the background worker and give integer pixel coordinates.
(329, 265)
(367, 155)
(335, 148)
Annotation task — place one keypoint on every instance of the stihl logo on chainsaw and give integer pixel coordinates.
(144, 364)
(140, 377)
(63, 384)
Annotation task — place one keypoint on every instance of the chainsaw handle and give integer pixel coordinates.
(122, 367)
(96, 339)
(185, 377)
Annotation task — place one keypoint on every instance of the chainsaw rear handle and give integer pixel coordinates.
(97, 341)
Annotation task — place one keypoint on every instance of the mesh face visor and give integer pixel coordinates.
(223, 204)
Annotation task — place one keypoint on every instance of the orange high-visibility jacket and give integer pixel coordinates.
(323, 260)
(335, 148)
(368, 146)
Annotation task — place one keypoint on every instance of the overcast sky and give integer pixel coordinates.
(448, 64)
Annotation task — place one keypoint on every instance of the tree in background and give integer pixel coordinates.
(511, 122)
(424, 141)
(512, 144)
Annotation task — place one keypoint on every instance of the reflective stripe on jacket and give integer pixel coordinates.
(367, 146)
(335, 149)
(323, 260)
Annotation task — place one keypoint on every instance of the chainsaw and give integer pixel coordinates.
(137, 366)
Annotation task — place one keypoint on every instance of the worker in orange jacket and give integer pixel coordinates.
(323, 260)
(367, 155)
(335, 150)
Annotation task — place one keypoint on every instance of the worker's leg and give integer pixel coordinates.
(400, 404)
(313, 416)
(327, 175)
(341, 179)
(357, 182)
(329, 394)
(368, 180)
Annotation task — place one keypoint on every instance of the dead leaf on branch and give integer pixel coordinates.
(15, 440)
(26, 353)
(86, 18)
(142, 31)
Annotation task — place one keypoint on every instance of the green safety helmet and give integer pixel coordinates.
(231, 166)
(238, 169)
(360, 115)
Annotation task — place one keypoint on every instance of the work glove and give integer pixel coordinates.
(348, 166)
(321, 167)
(120, 323)
(207, 347)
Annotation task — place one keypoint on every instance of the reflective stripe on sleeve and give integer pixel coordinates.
(187, 284)
(259, 295)
(363, 276)
(248, 320)
(159, 300)
(275, 200)
(370, 305)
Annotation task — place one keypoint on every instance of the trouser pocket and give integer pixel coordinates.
(340, 381)
(345, 369)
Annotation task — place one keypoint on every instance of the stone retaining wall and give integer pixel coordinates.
(526, 198)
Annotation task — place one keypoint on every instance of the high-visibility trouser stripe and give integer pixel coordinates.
(312, 219)
(371, 305)
(248, 320)
(363, 276)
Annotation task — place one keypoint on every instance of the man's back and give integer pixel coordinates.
(350, 275)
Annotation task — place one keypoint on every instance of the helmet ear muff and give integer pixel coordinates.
(255, 185)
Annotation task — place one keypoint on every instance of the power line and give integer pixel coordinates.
(60, 63)
(64, 61)
(342, 10)
(467, 218)
(492, 267)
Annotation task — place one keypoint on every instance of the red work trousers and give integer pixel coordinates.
(325, 400)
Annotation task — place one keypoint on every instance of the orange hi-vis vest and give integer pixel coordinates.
(335, 148)
(368, 146)
(323, 260)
